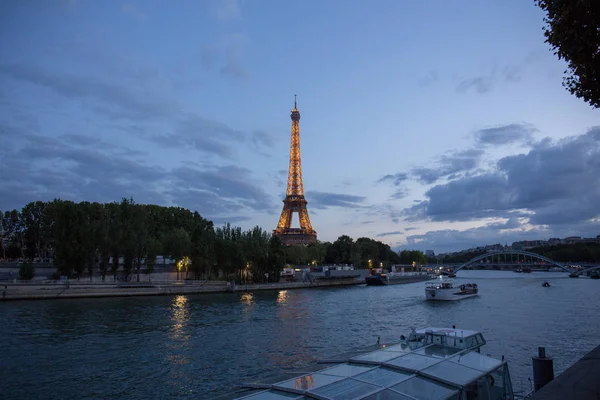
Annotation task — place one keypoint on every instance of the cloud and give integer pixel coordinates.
(226, 10)
(485, 83)
(133, 11)
(389, 233)
(555, 183)
(400, 194)
(105, 97)
(507, 232)
(427, 79)
(395, 179)
(84, 168)
(481, 84)
(505, 134)
(384, 210)
(226, 56)
(134, 109)
(324, 200)
(449, 164)
(203, 135)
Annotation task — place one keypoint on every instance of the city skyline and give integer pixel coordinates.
(425, 126)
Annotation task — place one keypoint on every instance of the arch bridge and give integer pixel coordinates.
(586, 268)
(504, 253)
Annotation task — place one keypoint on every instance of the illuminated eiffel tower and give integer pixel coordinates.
(294, 201)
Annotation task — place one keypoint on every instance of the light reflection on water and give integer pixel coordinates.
(282, 297)
(247, 298)
(203, 345)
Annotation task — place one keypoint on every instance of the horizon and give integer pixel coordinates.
(431, 137)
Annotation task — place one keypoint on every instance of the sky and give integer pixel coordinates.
(426, 125)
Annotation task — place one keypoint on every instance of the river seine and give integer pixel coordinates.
(202, 345)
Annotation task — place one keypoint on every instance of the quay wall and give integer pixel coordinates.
(579, 382)
(62, 290)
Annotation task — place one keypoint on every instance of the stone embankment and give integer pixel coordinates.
(72, 289)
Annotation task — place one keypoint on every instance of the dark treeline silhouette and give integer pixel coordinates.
(125, 239)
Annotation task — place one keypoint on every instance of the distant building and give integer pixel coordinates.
(429, 253)
(572, 239)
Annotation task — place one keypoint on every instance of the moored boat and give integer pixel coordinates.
(392, 278)
(432, 363)
(447, 291)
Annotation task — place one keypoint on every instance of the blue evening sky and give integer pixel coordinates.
(425, 124)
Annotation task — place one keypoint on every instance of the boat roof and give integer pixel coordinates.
(390, 372)
(448, 332)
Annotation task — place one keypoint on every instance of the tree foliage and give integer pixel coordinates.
(26, 271)
(125, 239)
(573, 31)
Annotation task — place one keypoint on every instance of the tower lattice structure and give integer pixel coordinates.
(294, 201)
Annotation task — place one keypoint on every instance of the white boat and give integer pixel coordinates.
(432, 363)
(446, 290)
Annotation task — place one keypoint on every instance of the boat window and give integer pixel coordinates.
(387, 394)
(471, 342)
(345, 370)
(422, 388)
(497, 384)
(414, 362)
(377, 356)
(438, 351)
(402, 347)
(272, 395)
(476, 361)
(507, 383)
(308, 382)
(347, 389)
(452, 373)
(384, 376)
(479, 389)
(480, 339)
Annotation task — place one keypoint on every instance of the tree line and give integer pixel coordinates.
(125, 239)
(576, 252)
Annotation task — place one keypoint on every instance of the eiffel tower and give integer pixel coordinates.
(294, 201)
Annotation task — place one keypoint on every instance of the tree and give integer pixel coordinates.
(152, 248)
(412, 256)
(26, 271)
(573, 31)
(178, 247)
(2, 235)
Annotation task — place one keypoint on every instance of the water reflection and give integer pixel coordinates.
(282, 297)
(247, 298)
(180, 317)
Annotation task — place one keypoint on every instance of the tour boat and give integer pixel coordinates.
(432, 363)
(447, 291)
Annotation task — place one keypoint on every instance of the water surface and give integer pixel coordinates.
(200, 346)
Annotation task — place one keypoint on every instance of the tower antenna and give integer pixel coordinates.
(295, 101)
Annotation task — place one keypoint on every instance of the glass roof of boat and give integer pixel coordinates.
(431, 372)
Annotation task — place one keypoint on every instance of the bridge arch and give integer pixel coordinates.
(514, 252)
(589, 268)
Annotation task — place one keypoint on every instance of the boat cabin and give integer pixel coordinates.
(440, 285)
(449, 337)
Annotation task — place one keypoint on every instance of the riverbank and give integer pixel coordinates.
(63, 290)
